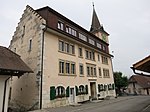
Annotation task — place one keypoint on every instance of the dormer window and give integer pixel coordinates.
(99, 45)
(82, 37)
(60, 25)
(71, 31)
(91, 41)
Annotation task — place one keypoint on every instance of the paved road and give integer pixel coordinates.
(121, 104)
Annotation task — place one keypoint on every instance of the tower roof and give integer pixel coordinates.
(96, 26)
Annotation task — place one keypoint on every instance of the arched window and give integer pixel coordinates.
(60, 91)
(105, 87)
(100, 87)
(81, 89)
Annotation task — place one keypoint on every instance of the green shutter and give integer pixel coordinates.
(76, 90)
(113, 86)
(86, 89)
(105, 87)
(99, 88)
(67, 91)
(52, 93)
(102, 87)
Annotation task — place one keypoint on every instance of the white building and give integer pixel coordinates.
(70, 64)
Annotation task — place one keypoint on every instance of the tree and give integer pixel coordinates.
(121, 82)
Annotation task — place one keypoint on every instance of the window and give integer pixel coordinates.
(88, 70)
(60, 91)
(66, 47)
(104, 48)
(23, 30)
(99, 45)
(60, 25)
(91, 41)
(91, 70)
(80, 52)
(104, 60)
(67, 67)
(61, 46)
(94, 71)
(82, 37)
(72, 68)
(90, 55)
(93, 56)
(99, 69)
(61, 66)
(81, 89)
(98, 57)
(72, 49)
(81, 69)
(30, 45)
(106, 73)
(86, 54)
(71, 31)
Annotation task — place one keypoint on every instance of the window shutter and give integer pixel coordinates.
(52, 93)
(113, 86)
(67, 91)
(105, 87)
(76, 90)
(86, 89)
(99, 88)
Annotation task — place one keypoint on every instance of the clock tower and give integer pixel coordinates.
(97, 29)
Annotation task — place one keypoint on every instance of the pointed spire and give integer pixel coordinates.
(95, 22)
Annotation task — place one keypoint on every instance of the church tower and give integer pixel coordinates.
(97, 28)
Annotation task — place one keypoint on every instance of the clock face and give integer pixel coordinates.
(104, 37)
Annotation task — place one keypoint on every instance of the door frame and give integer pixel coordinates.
(72, 95)
(93, 90)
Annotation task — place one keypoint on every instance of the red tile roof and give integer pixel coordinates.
(10, 61)
(143, 81)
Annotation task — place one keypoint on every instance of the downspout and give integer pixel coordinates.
(113, 74)
(5, 87)
(43, 27)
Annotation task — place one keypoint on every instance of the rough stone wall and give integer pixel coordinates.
(25, 90)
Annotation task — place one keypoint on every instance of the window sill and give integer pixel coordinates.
(106, 77)
(81, 75)
(67, 74)
(89, 59)
(67, 53)
(80, 56)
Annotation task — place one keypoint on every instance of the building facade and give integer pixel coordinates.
(139, 85)
(70, 64)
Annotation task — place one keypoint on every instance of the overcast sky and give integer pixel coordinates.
(127, 22)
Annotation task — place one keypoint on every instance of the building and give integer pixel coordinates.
(70, 64)
(10, 65)
(139, 85)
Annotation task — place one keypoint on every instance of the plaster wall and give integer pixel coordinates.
(2, 84)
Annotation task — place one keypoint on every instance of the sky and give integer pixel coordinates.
(127, 22)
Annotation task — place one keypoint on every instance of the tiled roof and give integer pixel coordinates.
(143, 81)
(10, 61)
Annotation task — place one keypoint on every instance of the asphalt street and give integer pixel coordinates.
(120, 104)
